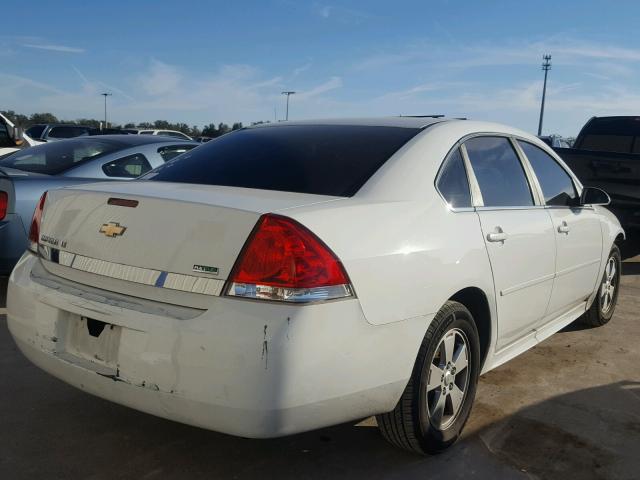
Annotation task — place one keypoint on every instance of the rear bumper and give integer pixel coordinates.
(246, 368)
(13, 242)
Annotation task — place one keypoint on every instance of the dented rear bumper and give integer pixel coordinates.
(247, 368)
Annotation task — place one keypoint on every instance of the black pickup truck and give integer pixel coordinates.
(606, 154)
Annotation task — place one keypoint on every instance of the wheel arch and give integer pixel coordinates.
(477, 302)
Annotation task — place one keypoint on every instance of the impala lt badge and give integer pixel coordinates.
(112, 229)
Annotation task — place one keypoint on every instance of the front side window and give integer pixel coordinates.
(557, 186)
(453, 183)
(131, 166)
(499, 172)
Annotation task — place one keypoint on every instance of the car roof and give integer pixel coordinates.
(418, 121)
(128, 140)
(58, 125)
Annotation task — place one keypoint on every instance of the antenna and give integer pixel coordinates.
(546, 66)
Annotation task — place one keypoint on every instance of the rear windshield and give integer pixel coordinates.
(319, 159)
(57, 157)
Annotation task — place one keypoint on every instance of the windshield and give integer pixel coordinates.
(58, 157)
(320, 159)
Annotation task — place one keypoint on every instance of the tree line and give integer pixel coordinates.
(212, 130)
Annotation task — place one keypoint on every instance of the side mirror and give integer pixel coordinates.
(594, 196)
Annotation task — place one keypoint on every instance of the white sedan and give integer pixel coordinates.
(293, 276)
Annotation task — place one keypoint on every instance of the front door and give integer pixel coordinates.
(518, 234)
(577, 232)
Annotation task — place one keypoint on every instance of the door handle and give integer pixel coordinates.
(497, 236)
(563, 228)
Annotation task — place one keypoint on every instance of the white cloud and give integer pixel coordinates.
(331, 84)
(340, 14)
(54, 48)
(301, 69)
(160, 78)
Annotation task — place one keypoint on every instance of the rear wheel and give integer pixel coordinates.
(437, 401)
(602, 308)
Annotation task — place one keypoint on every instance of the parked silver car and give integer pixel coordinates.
(26, 174)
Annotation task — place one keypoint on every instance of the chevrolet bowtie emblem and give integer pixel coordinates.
(112, 229)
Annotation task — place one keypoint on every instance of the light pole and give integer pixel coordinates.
(105, 95)
(546, 66)
(288, 94)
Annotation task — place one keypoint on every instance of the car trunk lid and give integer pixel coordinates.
(154, 240)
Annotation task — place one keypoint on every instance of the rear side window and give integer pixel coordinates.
(499, 172)
(557, 186)
(453, 183)
(35, 131)
(131, 166)
(57, 157)
(172, 151)
(318, 159)
(67, 132)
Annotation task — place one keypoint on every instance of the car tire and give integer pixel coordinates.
(604, 304)
(436, 402)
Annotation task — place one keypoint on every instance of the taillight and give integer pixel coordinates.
(34, 231)
(283, 260)
(4, 204)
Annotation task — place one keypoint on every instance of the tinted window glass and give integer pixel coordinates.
(128, 167)
(5, 139)
(147, 132)
(453, 183)
(612, 134)
(321, 159)
(56, 157)
(607, 143)
(67, 132)
(555, 182)
(35, 131)
(499, 172)
(172, 151)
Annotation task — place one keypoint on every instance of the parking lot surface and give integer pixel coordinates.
(569, 408)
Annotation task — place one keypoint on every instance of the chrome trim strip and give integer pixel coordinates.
(139, 275)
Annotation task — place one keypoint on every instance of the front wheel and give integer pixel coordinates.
(437, 401)
(602, 308)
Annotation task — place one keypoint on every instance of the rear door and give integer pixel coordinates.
(577, 232)
(518, 234)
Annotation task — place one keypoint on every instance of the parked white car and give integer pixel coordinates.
(298, 275)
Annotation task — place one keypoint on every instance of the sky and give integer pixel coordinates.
(208, 62)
